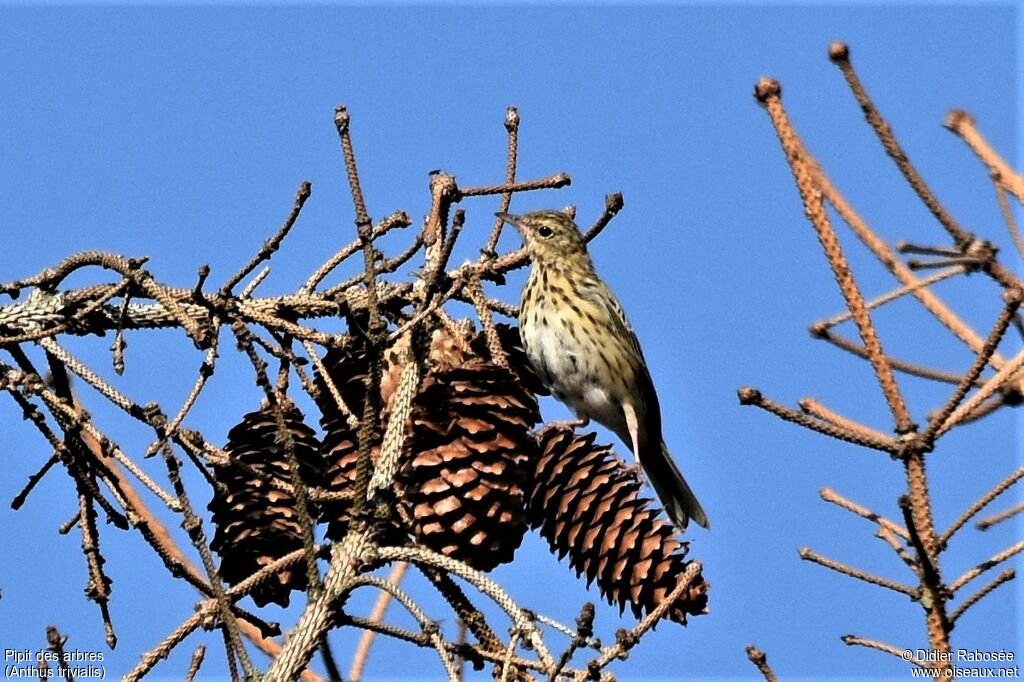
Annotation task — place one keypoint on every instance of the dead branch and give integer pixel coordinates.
(973, 396)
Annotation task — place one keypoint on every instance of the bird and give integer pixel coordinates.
(583, 349)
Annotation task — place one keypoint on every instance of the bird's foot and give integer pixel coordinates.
(634, 470)
(571, 424)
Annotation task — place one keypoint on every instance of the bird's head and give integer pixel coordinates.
(550, 236)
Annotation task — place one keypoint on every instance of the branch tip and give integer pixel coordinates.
(838, 51)
(957, 119)
(766, 89)
(511, 119)
(341, 118)
(749, 395)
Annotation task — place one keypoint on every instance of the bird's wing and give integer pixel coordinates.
(615, 317)
(601, 297)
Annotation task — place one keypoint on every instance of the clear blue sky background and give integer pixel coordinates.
(182, 133)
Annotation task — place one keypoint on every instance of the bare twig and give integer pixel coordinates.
(552, 182)
(962, 123)
(512, 126)
(986, 565)
(197, 660)
(853, 640)
(628, 640)
(839, 53)
(751, 396)
(272, 244)
(899, 365)
(355, 671)
(584, 631)
(989, 521)
(810, 555)
(939, 421)
(768, 93)
(832, 496)
(981, 503)
(814, 408)
(613, 203)
(760, 661)
(1006, 576)
(893, 295)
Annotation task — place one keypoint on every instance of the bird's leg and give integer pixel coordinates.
(634, 469)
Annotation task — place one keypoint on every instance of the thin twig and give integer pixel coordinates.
(272, 244)
(981, 503)
(359, 658)
(487, 586)
(986, 565)
(751, 396)
(887, 536)
(1006, 576)
(814, 408)
(989, 521)
(962, 123)
(613, 203)
(835, 498)
(899, 365)
(894, 295)
(555, 181)
(853, 640)
(1013, 298)
(429, 628)
(580, 638)
(629, 639)
(808, 554)
(197, 660)
(839, 53)
(1007, 213)
(1001, 378)
(398, 219)
(33, 480)
(760, 660)
(458, 649)
(512, 127)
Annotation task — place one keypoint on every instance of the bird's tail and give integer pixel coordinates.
(673, 491)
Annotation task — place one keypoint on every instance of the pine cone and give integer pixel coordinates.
(461, 483)
(257, 522)
(463, 479)
(587, 504)
(348, 369)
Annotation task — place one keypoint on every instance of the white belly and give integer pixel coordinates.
(563, 365)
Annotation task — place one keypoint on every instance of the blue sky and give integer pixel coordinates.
(182, 133)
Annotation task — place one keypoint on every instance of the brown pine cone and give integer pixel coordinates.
(348, 368)
(587, 504)
(257, 522)
(463, 481)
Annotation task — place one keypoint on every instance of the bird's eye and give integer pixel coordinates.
(545, 231)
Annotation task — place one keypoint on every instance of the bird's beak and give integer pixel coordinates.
(513, 220)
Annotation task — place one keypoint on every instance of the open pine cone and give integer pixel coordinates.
(348, 368)
(257, 522)
(463, 480)
(588, 505)
(461, 483)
